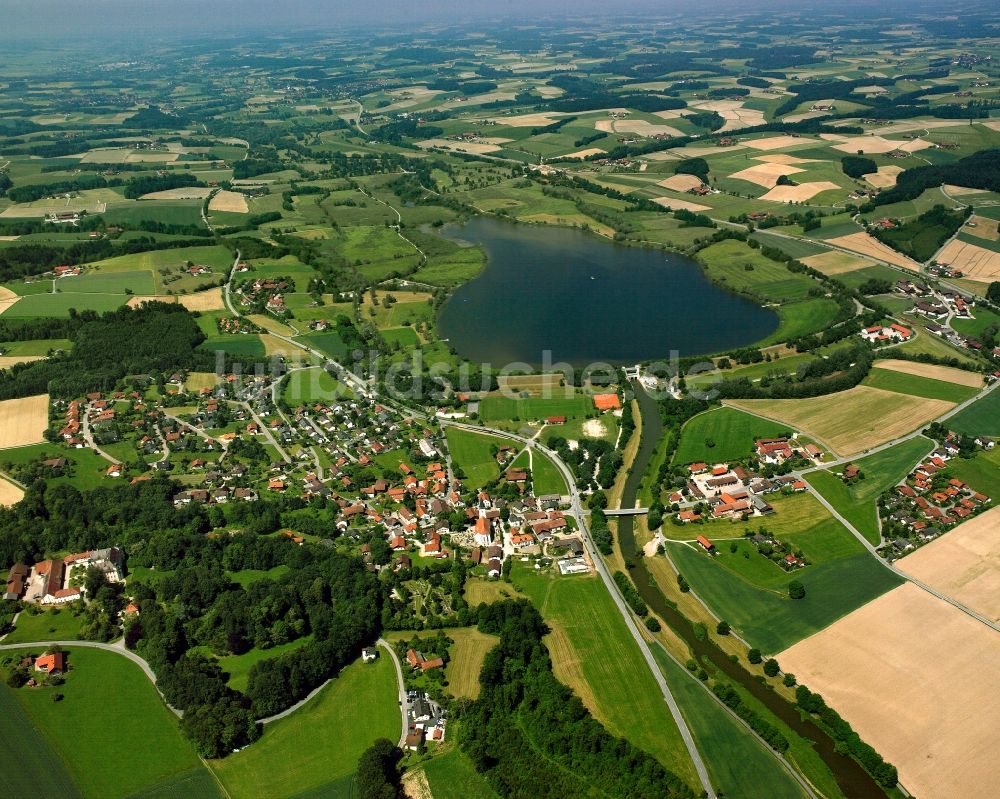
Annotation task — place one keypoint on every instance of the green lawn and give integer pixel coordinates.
(918, 386)
(738, 764)
(247, 577)
(240, 346)
(87, 470)
(856, 502)
(766, 617)
(406, 337)
(752, 372)
(493, 409)
(796, 319)
(58, 624)
(723, 434)
(982, 418)
(138, 282)
(330, 344)
(35, 346)
(313, 385)
(594, 653)
(471, 452)
(128, 726)
(452, 776)
(320, 743)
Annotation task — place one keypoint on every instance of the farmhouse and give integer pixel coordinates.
(880, 334)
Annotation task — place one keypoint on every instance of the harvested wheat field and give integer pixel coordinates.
(800, 193)
(526, 120)
(734, 113)
(784, 158)
(640, 127)
(963, 563)
(885, 177)
(984, 228)
(877, 144)
(7, 361)
(851, 421)
(186, 193)
(681, 182)
(933, 371)
(476, 148)
(776, 142)
(916, 678)
(765, 175)
(959, 190)
(208, 300)
(835, 262)
(466, 661)
(976, 263)
(277, 346)
(7, 299)
(9, 493)
(233, 202)
(585, 153)
(863, 244)
(677, 205)
(22, 421)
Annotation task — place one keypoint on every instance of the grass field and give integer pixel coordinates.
(466, 660)
(545, 477)
(319, 744)
(917, 386)
(471, 452)
(767, 618)
(57, 624)
(238, 666)
(330, 344)
(242, 346)
(854, 420)
(493, 409)
(739, 765)
(130, 726)
(59, 305)
(88, 468)
(313, 385)
(982, 418)
(452, 776)
(856, 502)
(737, 266)
(796, 319)
(723, 434)
(489, 591)
(982, 472)
(594, 653)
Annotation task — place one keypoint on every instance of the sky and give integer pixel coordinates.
(39, 18)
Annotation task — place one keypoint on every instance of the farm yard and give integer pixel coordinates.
(937, 730)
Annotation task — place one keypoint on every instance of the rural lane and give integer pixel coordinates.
(403, 704)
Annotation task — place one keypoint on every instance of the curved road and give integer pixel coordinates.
(403, 704)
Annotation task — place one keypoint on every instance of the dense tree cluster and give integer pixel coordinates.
(530, 736)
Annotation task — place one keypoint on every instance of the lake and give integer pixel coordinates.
(586, 300)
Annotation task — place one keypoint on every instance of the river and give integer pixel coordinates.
(586, 299)
(854, 781)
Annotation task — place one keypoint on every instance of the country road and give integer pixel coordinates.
(404, 706)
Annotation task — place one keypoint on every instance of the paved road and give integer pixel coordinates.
(578, 513)
(88, 437)
(404, 707)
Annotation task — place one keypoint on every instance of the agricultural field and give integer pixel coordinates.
(723, 434)
(130, 725)
(735, 265)
(982, 418)
(594, 654)
(883, 470)
(766, 617)
(937, 730)
(22, 421)
(964, 564)
(740, 766)
(308, 751)
(852, 421)
(451, 775)
(919, 386)
(545, 476)
(466, 660)
(472, 453)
